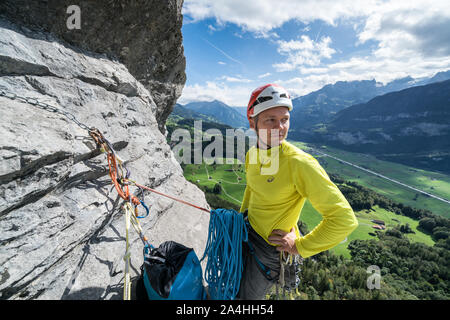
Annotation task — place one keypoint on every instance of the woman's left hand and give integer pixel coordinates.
(284, 240)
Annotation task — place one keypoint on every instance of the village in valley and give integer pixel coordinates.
(378, 224)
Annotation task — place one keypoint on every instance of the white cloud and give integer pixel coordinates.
(300, 86)
(266, 34)
(363, 68)
(419, 26)
(265, 15)
(264, 75)
(231, 94)
(221, 62)
(307, 70)
(406, 38)
(415, 27)
(410, 38)
(303, 52)
(235, 79)
(386, 70)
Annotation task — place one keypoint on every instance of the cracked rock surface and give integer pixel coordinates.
(145, 35)
(61, 225)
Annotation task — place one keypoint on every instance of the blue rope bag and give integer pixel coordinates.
(223, 272)
(172, 272)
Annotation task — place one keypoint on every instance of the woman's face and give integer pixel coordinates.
(272, 125)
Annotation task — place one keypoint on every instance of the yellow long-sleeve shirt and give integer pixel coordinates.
(279, 181)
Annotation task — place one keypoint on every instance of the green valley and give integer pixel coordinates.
(403, 226)
(427, 181)
(227, 182)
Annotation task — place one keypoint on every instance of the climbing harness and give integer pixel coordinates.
(266, 271)
(289, 264)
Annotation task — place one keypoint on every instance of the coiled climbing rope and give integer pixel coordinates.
(227, 231)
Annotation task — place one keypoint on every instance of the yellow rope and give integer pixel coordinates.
(127, 282)
(130, 219)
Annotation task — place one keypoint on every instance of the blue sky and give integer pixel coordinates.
(232, 46)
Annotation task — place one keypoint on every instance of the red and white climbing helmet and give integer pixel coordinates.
(268, 96)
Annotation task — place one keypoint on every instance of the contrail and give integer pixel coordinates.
(317, 36)
(384, 177)
(224, 53)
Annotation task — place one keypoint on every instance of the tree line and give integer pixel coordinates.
(360, 198)
(408, 270)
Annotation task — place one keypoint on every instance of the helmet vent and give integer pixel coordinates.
(260, 100)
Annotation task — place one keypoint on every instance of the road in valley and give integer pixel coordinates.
(383, 177)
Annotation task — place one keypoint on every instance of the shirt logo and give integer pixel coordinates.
(271, 179)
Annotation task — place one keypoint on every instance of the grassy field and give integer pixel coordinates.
(312, 218)
(428, 181)
(232, 180)
(226, 174)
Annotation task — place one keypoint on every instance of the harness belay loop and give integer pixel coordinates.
(223, 271)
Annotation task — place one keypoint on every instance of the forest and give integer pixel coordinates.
(360, 198)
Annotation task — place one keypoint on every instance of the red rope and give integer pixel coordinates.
(173, 198)
(113, 173)
(124, 194)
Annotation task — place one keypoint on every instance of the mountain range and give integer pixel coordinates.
(410, 126)
(218, 112)
(406, 120)
(320, 106)
(316, 107)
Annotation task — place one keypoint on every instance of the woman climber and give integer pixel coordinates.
(280, 177)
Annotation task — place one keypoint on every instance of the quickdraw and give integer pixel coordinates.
(120, 175)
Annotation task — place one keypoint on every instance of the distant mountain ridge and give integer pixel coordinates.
(316, 107)
(220, 112)
(322, 105)
(411, 126)
(184, 113)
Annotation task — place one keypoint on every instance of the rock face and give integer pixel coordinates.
(145, 35)
(62, 230)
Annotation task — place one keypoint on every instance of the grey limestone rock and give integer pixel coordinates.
(145, 35)
(62, 230)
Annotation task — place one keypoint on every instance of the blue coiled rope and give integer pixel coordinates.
(227, 231)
